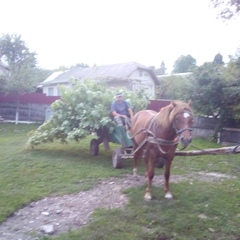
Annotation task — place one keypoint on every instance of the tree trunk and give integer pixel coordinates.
(210, 151)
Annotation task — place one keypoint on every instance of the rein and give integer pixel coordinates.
(206, 152)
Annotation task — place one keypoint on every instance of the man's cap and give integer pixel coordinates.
(119, 94)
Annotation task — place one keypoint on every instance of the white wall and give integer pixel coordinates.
(143, 80)
(51, 90)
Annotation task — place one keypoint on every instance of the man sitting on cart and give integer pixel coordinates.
(122, 112)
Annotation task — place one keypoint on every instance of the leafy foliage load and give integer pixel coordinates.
(82, 109)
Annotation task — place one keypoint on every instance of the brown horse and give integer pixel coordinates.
(157, 135)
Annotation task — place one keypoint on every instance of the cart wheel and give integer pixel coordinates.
(116, 158)
(94, 147)
(160, 162)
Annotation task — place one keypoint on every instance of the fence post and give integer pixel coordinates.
(219, 137)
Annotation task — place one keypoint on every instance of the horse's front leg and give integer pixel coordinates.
(135, 172)
(149, 175)
(168, 194)
(137, 157)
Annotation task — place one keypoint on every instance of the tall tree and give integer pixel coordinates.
(19, 62)
(174, 87)
(19, 72)
(162, 69)
(231, 89)
(218, 59)
(184, 64)
(207, 92)
(228, 8)
(82, 65)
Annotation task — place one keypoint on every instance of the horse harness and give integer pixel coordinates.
(151, 138)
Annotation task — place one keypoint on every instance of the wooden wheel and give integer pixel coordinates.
(116, 158)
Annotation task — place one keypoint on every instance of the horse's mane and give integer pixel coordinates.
(166, 115)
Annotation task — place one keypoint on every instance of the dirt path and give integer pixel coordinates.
(55, 215)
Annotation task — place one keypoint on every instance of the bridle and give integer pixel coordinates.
(186, 114)
(179, 132)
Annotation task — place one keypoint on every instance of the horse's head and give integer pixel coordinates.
(182, 120)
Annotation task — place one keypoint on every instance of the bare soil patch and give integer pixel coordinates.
(55, 215)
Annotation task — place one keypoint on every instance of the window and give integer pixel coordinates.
(50, 91)
(59, 92)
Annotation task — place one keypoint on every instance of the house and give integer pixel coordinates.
(52, 91)
(131, 76)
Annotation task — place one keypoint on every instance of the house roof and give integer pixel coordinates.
(53, 76)
(113, 71)
(50, 78)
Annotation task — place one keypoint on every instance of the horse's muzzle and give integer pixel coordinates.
(185, 136)
(185, 141)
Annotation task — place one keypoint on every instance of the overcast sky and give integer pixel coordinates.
(66, 32)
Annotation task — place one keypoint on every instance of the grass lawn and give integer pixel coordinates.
(200, 210)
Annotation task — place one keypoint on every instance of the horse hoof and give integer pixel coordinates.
(168, 196)
(148, 197)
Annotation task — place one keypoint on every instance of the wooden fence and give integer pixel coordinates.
(27, 112)
(229, 136)
(203, 127)
(33, 107)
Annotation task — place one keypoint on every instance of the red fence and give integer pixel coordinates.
(156, 105)
(37, 98)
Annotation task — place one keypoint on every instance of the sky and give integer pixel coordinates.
(100, 32)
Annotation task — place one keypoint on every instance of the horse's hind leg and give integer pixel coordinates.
(137, 157)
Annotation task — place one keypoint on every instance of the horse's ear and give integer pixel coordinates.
(190, 103)
(173, 104)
